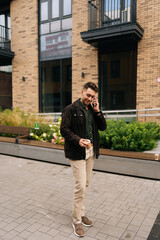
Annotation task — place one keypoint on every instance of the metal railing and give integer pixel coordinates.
(5, 37)
(50, 116)
(127, 115)
(134, 114)
(104, 13)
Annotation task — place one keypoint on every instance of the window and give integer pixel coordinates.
(44, 28)
(56, 85)
(55, 54)
(2, 20)
(44, 11)
(118, 80)
(58, 15)
(66, 23)
(55, 26)
(67, 7)
(55, 8)
(115, 69)
(55, 29)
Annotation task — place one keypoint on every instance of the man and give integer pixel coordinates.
(80, 124)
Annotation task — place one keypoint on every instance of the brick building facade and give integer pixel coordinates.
(55, 49)
(148, 58)
(24, 43)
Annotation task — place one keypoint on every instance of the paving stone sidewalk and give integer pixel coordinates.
(36, 203)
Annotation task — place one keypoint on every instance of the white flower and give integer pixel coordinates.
(31, 134)
(54, 135)
(44, 134)
(50, 125)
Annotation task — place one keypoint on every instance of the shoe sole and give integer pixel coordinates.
(75, 231)
(85, 225)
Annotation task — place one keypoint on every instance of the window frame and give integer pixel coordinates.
(54, 19)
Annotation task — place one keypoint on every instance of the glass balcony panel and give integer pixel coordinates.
(111, 12)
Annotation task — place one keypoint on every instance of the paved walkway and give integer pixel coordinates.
(36, 203)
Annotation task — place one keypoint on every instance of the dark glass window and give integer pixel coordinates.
(118, 80)
(56, 83)
(115, 69)
(5, 87)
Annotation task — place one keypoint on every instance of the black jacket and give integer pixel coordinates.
(73, 128)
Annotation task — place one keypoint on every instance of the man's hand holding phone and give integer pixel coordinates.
(95, 105)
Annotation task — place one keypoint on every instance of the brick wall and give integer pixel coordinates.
(24, 42)
(148, 59)
(84, 56)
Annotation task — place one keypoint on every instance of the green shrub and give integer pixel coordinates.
(134, 136)
(119, 135)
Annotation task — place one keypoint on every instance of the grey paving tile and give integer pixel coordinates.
(39, 235)
(36, 203)
(9, 235)
(17, 238)
(53, 232)
(112, 230)
(25, 234)
(2, 232)
(34, 227)
(112, 238)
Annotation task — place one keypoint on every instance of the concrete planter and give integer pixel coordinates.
(114, 164)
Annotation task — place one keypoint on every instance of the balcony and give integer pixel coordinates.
(112, 20)
(5, 36)
(6, 54)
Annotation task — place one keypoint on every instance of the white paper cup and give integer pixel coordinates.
(89, 144)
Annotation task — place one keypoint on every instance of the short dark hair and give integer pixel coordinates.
(91, 85)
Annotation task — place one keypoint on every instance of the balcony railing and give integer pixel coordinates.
(103, 13)
(5, 37)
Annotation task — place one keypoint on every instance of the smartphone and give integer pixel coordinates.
(94, 104)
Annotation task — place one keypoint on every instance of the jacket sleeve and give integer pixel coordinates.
(65, 127)
(101, 122)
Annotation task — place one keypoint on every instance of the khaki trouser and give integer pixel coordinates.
(82, 171)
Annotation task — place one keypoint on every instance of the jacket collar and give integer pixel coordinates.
(78, 105)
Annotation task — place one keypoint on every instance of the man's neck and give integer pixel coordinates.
(86, 106)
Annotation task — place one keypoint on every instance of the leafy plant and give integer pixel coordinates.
(48, 133)
(134, 136)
